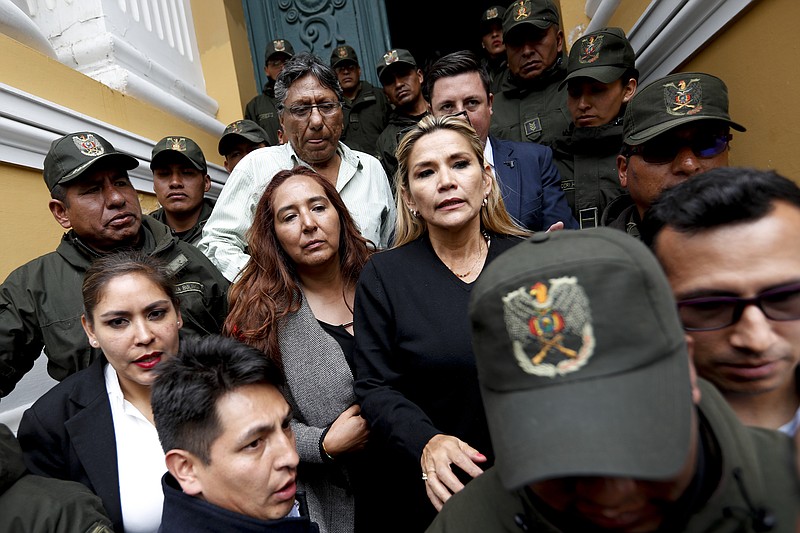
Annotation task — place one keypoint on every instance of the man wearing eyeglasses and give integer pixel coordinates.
(673, 128)
(310, 105)
(262, 108)
(728, 242)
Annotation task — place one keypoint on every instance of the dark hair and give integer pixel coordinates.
(267, 289)
(725, 195)
(453, 64)
(108, 267)
(59, 192)
(298, 66)
(185, 392)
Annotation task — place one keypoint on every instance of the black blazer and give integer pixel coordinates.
(69, 434)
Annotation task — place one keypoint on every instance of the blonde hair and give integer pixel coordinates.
(494, 216)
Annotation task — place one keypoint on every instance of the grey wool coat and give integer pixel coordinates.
(319, 387)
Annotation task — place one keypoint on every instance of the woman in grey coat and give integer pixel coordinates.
(294, 301)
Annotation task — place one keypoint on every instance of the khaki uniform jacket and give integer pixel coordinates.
(365, 118)
(41, 303)
(535, 111)
(763, 459)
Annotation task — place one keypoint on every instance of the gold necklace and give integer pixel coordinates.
(480, 253)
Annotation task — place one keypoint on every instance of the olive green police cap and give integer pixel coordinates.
(278, 46)
(539, 13)
(343, 53)
(672, 101)
(582, 360)
(246, 130)
(603, 55)
(183, 147)
(72, 155)
(393, 57)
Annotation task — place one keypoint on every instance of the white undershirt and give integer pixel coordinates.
(791, 427)
(140, 462)
(488, 156)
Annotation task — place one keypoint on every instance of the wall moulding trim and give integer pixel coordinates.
(27, 129)
(669, 32)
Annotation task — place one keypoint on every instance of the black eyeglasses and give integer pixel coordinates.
(717, 312)
(325, 109)
(661, 152)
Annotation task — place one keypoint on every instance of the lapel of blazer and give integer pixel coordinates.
(91, 432)
(507, 169)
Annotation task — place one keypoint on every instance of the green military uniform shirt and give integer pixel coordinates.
(587, 161)
(535, 111)
(365, 117)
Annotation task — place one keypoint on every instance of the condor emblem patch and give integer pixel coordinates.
(390, 57)
(590, 49)
(178, 144)
(550, 326)
(88, 145)
(684, 97)
(522, 10)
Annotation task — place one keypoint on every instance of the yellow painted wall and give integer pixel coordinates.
(757, 59)
(225, 55)
(27, 229)
(754, 55)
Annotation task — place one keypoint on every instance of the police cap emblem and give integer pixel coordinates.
(550, 327)
(522, 10)
(176, 143)
(683, 97)
(88, 145)
(390, 57)
(279, 45)
(590, 49)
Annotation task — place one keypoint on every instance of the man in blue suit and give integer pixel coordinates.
(531, 185)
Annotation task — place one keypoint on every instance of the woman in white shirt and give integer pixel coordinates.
(96, 427)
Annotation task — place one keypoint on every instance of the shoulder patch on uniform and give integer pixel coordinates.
(176, 264)
(532, 126)
(550, 326)
(189, 286)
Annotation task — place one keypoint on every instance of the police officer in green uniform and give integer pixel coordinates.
(37, 503)
(366, 109)
(239, 139)
(402, 84)
(94, 200)
(598, 420)
(261, 109)
(494, 49)
(530, 105)
(601, 79)
(674, 128)
(180, 181)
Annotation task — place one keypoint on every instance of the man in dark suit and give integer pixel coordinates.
(531, 185)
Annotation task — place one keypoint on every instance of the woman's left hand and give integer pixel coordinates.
(437, 456)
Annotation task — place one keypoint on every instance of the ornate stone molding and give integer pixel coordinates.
(669, 32)
(144, 48)
(25, 136)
